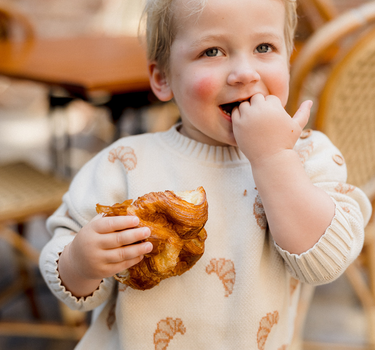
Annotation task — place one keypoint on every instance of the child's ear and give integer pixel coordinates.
(159, 83)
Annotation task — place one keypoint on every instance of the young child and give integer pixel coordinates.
(280, 212)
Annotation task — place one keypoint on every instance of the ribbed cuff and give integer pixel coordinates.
(48, 266)
(328, 258)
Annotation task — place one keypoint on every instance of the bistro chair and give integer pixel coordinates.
(26, 192)
(312, 14)
(14, 25)
(346, 114)
(318, 12)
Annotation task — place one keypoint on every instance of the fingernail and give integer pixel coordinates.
(148, 247)
(135, 220)
(146, 232)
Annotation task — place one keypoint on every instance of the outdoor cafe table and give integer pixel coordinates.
(83, 66)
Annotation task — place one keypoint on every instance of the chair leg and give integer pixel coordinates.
(306, 295)
(371, 325)
(364, 294)
(370, 263)
(27, 278)
(370, 236)
(74, 323)
(24, 253)
(19, 244)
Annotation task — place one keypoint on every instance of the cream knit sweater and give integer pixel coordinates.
(243, 292)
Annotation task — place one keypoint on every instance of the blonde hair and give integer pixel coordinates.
(161, 27)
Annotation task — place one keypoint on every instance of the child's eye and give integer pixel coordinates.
(264, 48)
(213, 52)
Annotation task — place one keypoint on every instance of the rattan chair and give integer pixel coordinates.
(26, 192)
(312, 14)
(318, 12)
(14, 25)
(346, 113)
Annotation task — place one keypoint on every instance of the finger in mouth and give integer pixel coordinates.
(227, 108)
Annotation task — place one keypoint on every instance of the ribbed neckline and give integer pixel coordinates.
(201, 151)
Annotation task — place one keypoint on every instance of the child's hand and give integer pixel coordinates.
(266, 134)
(262, 127)
(105, 246)
(102, 248)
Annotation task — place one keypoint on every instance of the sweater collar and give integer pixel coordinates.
(201, 151)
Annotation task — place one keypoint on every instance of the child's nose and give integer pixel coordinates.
(243, 72)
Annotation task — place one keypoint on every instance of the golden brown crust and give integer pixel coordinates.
(177, 234)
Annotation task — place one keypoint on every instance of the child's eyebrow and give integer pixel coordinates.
(211, 38)
(207, 39)
(269, 36)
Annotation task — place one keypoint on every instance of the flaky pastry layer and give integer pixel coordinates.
(176, 221)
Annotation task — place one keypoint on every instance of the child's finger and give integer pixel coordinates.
(244, 108)
(118, 267)
(129, 252)
(303, 114)
(257, 98)
(272, 98)
(123, 238)
(114, 223)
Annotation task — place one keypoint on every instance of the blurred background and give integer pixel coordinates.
(35, 115)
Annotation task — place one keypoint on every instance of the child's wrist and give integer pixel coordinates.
(70, 277)
(270, 161)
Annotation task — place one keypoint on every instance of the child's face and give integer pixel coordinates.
(231, 51)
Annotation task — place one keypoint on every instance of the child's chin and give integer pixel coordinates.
(233, 143)
(231, 140)
(228, 141)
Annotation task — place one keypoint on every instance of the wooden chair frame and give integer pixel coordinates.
(26, 192)
(314, 51)
(34, 201)
(357, 23)
(318, 12)
(12, 19)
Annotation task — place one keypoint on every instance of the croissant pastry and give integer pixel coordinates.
(176, 221)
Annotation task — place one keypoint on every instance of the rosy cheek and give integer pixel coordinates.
(205, 87)
(280, 88)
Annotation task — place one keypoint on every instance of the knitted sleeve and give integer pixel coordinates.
(342, 241)
(103, 181)
(64, 230)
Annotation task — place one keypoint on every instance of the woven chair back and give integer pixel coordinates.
(25, 191)
(346, 112)
(324, 46)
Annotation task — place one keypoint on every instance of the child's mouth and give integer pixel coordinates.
(227, 108)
